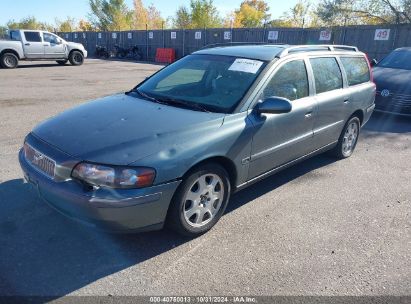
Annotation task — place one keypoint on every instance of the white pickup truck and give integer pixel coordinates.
(39, 45)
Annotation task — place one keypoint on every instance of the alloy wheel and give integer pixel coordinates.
(203, 200)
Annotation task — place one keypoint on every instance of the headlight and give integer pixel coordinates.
(114, 176)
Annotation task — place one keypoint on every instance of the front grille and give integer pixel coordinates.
(39, 161)
(394, 102)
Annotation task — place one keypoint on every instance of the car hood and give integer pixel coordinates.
(121, 129)
(74, 45)
(396, 80)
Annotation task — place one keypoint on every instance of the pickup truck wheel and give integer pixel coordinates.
(76, 58)
(200, 200)
(348, 139)
(61, 62)
(9, 61)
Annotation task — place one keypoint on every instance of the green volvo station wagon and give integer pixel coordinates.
(173, 149)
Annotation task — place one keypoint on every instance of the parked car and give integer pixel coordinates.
(175, 147)
(39, 45)
(392, 75)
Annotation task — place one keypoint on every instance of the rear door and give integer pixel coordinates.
(33, 45)
(332, 99)
(359, 85)
(53, 46)
(280, 138)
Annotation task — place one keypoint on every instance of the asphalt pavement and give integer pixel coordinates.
(322, 227)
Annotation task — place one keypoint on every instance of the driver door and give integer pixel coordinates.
(53, 47)
(280, 138)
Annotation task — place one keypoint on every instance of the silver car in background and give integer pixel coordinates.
(34, 45)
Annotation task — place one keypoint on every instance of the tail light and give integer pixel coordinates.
(369, 68)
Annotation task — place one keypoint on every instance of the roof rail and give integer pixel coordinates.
(208, 46)
(317, 47)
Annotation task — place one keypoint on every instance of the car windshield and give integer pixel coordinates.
(397, 60)
(203, 82)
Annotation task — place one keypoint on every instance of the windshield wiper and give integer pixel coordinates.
(185, 104)
(141, 93)
(170, 101)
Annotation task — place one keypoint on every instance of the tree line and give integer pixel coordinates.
(115, 15)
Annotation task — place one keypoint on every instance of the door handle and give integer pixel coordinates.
(308, 114)
(27, 44)
(346, 100)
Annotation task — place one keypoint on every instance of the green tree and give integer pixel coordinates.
(3, 32)
(298, 15)
(337, 12)
(110, 15)
(29, 23)
(154, 19)
(200, 14)
(204, 14)
(182, 18)
(67, 25)
(252, 13)
(85, 26)
(149, 16)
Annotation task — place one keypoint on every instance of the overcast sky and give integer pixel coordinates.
(49, 10)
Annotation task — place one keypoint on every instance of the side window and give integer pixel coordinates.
(290, 81)
(47, 37)
(356, 69)
(32, 36)
(15, 35)
(327, 74)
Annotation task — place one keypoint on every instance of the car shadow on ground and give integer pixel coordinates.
(388, 123)
(41, 65)
(44, 253)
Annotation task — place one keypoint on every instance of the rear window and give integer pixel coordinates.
(356, 69)
(32, 36)
(327, 74)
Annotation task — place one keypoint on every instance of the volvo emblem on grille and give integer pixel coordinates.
(385, 93)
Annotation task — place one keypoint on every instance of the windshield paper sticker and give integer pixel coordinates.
(245, 65)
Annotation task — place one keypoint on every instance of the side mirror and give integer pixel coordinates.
(274, 105)
(374, 62)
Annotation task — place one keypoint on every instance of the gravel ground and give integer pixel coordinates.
(322, 227)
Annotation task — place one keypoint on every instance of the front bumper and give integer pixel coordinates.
(114, 210)
(85, 53)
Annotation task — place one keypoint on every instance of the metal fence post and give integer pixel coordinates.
(162, 28)
(205, 36)
(147, 42)
(394, 38)
(184, 35)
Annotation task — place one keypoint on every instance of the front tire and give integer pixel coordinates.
(200, 200)
(76, 58)
(348, 139)
(9, 61)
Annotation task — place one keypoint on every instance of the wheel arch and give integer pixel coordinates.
(358, 113)
(71, 51)
(10, 51)
(224, 162)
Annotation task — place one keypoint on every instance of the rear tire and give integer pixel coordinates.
(9, 61)
(199, 201)
(348, 139)
(76, 58)
(61, 62)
